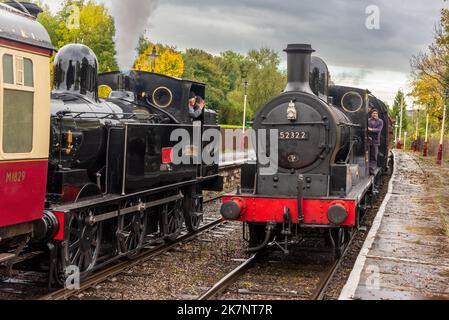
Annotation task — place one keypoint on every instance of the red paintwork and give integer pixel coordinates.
(167, 155)
(25, 47)
(22, 191)
(242, 204)
(60, 235)
(425, 150)
(272, 210)
(70, 193)
(440, 155)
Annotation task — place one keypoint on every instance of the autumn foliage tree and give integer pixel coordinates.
(431, 73)
(169, 62)
(427, 93)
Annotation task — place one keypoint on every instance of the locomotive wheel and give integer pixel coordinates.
(84, 243)
(193, 209)
(172, 221)
(131, 233)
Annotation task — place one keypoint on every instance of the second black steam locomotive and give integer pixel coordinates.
(321, 185)
(113, 185)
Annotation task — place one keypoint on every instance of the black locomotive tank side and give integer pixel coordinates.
(158, 92)
(79, 126)
(167, 95)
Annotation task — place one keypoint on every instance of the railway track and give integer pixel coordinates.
(246, 266)
(325, 279)
(220, 288)
(223, 285)
(229, 279)
(118, 267)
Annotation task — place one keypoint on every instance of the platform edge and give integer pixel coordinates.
(353, 282)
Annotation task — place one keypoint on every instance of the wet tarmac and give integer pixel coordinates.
(408, 257)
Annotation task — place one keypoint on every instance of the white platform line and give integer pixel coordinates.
(351, 286)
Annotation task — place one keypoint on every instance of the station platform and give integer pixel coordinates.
(406, 254)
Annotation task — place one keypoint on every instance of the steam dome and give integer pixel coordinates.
(76, 71)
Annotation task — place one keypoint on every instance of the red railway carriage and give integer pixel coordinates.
(25, 50)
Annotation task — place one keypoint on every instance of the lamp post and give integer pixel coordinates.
(426, 141)
(443, 125)
(153, 56)
(415, 146)
(400, 123)
(245, 105)
(405, 140)
(396, 132)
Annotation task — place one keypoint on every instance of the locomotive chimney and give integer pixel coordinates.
(299, 58)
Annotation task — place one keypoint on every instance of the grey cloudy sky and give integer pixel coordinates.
(375, 59)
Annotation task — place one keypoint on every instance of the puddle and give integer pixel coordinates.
(426, 231)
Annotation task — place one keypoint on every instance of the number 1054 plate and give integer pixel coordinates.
(294, 135)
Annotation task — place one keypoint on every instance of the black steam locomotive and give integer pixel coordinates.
(113, 186)
(322, 183)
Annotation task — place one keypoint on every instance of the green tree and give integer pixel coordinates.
(96, 29)
(226, 74)
(261, 69)
(266, 81)
(204, 67)
(396, 110)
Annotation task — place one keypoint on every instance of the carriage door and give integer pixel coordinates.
(23, 156)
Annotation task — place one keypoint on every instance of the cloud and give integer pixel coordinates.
(335, 28)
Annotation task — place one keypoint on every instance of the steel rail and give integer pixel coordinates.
(228, 280)
(322, 287)
(117, 269)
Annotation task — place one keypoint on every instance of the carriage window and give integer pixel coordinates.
(17, 121)
(19, 70)
(8, 72)
(28, 77)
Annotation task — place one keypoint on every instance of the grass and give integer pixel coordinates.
(230, 126)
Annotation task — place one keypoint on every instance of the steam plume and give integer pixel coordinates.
(131, 19)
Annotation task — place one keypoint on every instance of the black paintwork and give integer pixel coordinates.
(319, 78)
(76, 71)
(332, 156)
(327, 130)
(361, 118)
(117, 143)
(148, 87)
